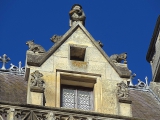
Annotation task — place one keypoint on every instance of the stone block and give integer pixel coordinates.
(36, 98)
(60, 63)
(93, 54)
(125, 109)
(155, 87)
(62, 51)
(96, 67)
(80, 38)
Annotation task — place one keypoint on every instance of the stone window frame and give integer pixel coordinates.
(78, 46)
(86, 79)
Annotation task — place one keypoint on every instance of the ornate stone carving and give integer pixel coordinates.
(55, 38)
(37, 81)
(122, 91)
(70, 118)
(30, 115)
(35, 47)
(17, 70)
(3, 113)
(118, 58)
(76, 14)
(100, 43)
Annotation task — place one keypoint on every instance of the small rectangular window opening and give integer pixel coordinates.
(77, 53)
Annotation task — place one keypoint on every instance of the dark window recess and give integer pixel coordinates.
(77, 53)
(76, 97)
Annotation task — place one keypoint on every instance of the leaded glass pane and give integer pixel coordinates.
(84, 100)
(68, 98)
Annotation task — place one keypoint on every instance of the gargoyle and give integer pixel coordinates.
(55, 38)
(35, 47)
(122, 91)
(118, 58)
(76, 14)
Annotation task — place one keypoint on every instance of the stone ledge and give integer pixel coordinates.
(122, 100)
(37, 89)
(64, 111)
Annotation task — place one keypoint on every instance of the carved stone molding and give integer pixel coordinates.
(37, 83)
(122, 90)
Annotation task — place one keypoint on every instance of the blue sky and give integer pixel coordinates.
(121, 25)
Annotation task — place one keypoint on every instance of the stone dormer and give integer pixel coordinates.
(76, 70)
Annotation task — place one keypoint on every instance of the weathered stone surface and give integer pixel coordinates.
(62, 51)
(125, 109)
(155, 86)
(94, 55)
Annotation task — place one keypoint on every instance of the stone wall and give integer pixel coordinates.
(155, 87)
(155, 59)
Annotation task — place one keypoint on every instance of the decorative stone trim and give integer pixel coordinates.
(37, 83)
(122, 90)
(28, 111)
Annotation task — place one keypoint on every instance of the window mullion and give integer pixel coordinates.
(76, 98)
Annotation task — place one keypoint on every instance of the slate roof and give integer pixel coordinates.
(144, 105)
(13, 88)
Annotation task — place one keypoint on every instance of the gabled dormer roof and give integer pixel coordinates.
(34, 59)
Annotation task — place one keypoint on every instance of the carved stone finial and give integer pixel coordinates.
(133, 75)
(70, 118)
(35, 47)
(122, 91)
(141, 85)
(55, 38)
(17, 70)
(36, 79)
(146, 78)
(118, 58)
(4, 59)
(77, 14)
